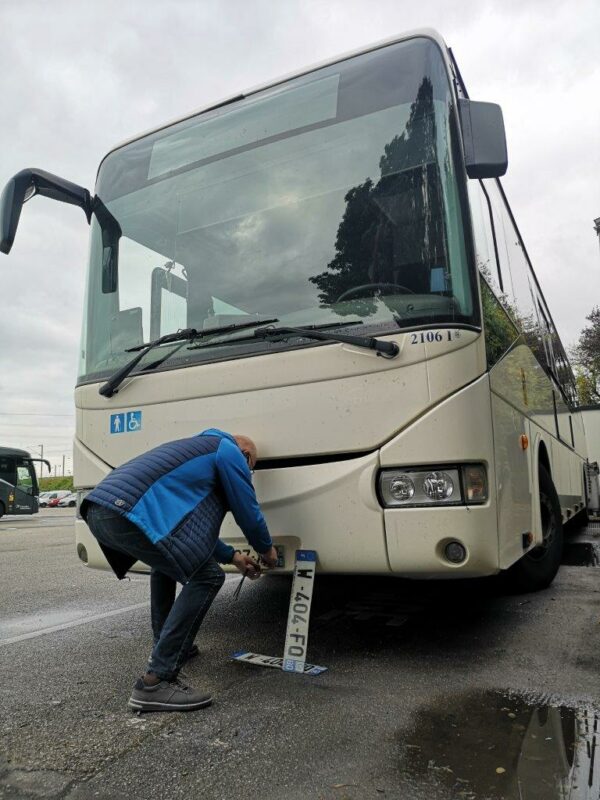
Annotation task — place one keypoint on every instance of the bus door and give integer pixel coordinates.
(26, 488)
(7, 484)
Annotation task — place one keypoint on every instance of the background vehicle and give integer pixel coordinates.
(68, 500)
(43, 499)
(53, 497)
(329, 265)
(57, 496)
(18, 482)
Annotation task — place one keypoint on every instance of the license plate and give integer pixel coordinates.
(280, 554)
(296, 639)
(274, 662)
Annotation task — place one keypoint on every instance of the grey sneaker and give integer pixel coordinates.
(167, 696)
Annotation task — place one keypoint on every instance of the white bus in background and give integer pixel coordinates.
(336, 273)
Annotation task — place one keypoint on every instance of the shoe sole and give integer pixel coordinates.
(147, 705)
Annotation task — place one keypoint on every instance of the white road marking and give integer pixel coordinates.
(73, 624)
(83, 621)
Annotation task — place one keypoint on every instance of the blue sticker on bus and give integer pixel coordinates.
(134, 421)
(128, 422)
(117, 423)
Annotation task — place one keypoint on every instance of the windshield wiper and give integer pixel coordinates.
(236, 326)
(251, 337)
(385, 349)
(109, 388)
(187, 334)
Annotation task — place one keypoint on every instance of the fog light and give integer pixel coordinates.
(438, 485)
(455, 552)
(402, 488)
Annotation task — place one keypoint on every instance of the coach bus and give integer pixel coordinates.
(18, 482)
(329, 265)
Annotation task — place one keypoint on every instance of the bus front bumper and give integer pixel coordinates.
(333, 508)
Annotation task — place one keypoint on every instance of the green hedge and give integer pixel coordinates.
(52, 484)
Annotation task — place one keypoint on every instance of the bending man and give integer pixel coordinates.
(165, 508)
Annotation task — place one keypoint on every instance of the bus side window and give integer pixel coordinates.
(24, 479)
(519, 284)
(7, 470)
(524, 300)
(499, 329)
(484, 239)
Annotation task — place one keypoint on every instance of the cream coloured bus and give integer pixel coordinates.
(329, 265)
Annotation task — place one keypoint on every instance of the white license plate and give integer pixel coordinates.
(280, 554)
(274, 662)
(296, 639)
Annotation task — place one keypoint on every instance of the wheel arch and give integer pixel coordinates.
(543, 458)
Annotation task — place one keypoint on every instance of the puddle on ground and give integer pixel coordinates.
(581, 554)
(505, 747)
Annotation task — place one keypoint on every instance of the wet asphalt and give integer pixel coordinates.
(434, 690)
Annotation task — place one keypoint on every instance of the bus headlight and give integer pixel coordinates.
(438, 485)
(402, 488)
(433, 486)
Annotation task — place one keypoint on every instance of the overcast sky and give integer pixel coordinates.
(79, 77)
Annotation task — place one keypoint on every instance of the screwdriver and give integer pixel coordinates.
(238, 588)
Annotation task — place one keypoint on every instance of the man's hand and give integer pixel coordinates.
(270, 557)
(246, 565)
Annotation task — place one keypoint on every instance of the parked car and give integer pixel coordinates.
(55, 497)
(43, 499)
(69, 500)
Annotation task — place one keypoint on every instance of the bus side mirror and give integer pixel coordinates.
(23, 186)
(484, 139)
(42, 461)
(111, 233)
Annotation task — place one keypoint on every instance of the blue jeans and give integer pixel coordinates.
(175, 622)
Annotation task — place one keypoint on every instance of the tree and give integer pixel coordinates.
(392, 230)
(586, 357)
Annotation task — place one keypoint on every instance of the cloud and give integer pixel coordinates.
(114, 69)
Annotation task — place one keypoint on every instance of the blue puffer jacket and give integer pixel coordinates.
(178, 494)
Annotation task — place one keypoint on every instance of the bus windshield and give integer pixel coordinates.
(329, 198)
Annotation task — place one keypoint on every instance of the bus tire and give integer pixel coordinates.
(537, 568)
(2, 509)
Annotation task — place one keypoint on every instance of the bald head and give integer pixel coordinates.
(248, 448)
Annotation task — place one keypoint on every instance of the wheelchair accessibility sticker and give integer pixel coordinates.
(128, 422)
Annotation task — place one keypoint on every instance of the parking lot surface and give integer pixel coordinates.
(433, 690)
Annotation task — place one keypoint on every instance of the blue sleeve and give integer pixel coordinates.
(241, 497)
(223, 552)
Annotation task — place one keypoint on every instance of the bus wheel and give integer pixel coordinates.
(2, 509)
(537, 568)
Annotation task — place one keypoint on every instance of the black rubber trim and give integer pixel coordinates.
(306, 461)
(493, 227)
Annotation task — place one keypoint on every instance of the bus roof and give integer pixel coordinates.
(13, 451)
(427, 33)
